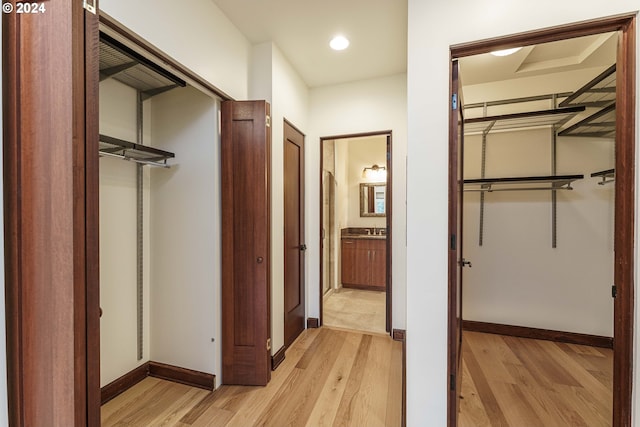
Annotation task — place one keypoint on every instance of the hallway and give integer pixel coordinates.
(329, 377)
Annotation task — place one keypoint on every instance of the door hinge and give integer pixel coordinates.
(90, 5)
(452, 382)
(268, 121)
(453, 242)
(454, 101)
(268, 344)
(614, 291)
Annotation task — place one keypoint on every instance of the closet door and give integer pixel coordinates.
(246, 287)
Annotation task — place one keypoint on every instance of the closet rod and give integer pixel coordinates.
(495, 190)
(131, 159)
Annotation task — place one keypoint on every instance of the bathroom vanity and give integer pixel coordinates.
(364, 258)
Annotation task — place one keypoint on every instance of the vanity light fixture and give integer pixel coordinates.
(375, 172)
(505, 52)
(339, 43)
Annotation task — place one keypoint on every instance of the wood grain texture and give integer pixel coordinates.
(45, 216)
(124, 383)
(185, 376)
(512, 381)
(539, 334)
(329, 378)
(246, 242)
(624, 223)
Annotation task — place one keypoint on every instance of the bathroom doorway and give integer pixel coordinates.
(355, 219)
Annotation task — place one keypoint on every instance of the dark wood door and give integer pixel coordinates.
(294, 245)
(246, 207)
(456, 260)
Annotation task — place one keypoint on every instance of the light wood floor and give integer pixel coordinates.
(355, 309)
(329, 378)
(509, 381)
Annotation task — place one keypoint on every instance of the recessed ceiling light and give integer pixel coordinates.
(339, 43)
(505, 52)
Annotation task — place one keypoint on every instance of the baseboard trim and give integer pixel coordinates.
(278, 358)
(182, 375)
(313, 322)
(365, 287)
(539, 334)
(123, 383)
(398, 335)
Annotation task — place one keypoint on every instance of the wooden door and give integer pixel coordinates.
(456, 261)
(294, 245)
(50, 138)
(246, 207)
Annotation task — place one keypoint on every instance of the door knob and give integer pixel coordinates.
(260, 259)
(303, 247)
(464, 262)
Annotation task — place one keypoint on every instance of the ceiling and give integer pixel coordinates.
(555, 67)
(302, 30)
(377, 30)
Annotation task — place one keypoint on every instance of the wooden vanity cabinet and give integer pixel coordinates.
(364, 263)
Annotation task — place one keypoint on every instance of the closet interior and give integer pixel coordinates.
(539, 147)
(159, 215)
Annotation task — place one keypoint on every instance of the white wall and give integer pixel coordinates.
(363, 152)
(273, 79)
(517, 278)
(195, 33)
(4, 420)
(118, 267)
(430, 35)
(185, 232)
(364, 106)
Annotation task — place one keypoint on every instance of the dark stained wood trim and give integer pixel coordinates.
(625, 184)
(124, 383)
(544, 35)
(538, 334)
(356, 135)
(312, 323)
(389, 231)
(389, 218)
(404, 380)
(278, 358)
(11, 128)
(137, 40)
(92, 217)
(398, 335)
(624, 245)
(182, 375)
(44, 129)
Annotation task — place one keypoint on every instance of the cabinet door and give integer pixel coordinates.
(355, 263)
(378, 264)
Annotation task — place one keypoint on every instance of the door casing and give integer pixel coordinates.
(389, 216)
(624, 185)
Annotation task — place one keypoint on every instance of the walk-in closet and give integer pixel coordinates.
(538, 227)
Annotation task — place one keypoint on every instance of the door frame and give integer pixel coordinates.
(389, 206)
(624, 186)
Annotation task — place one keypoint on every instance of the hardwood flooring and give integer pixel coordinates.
(329, 378)
(509, 381)
(355, 309)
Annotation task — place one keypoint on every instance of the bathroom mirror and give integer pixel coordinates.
(373, 199)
